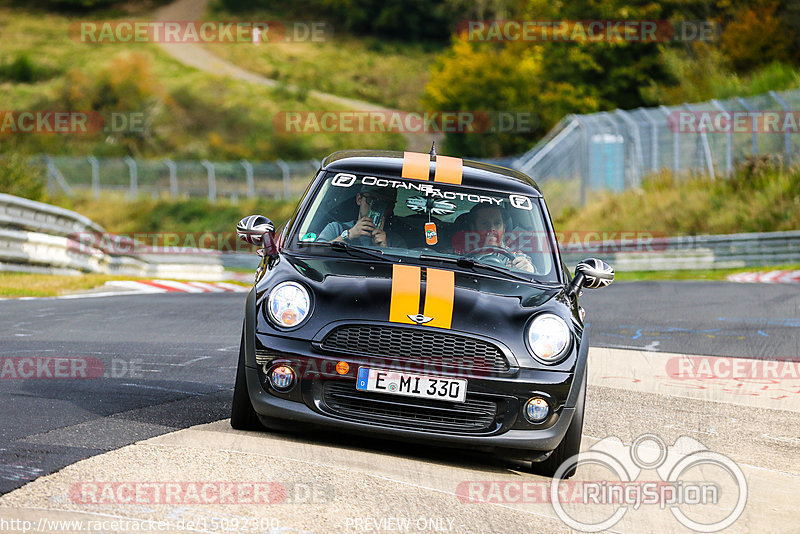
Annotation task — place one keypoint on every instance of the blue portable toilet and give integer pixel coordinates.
(607, 162)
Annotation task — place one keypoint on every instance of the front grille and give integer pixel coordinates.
(418, 345)
(472, 416)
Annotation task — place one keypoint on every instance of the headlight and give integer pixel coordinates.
(548, 337)
(288, 304)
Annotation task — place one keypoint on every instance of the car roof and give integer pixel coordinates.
(389, 164)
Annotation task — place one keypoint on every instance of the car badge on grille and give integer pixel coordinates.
(420, 319)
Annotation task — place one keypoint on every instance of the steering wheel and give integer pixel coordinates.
(492, 255)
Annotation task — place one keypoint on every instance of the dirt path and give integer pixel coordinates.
(196, 56)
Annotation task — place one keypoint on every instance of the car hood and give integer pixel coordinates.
(369, 291)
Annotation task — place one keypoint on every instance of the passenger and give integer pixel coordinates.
(374, 203)
(487, 222)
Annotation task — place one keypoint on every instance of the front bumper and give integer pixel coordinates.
(309, 402)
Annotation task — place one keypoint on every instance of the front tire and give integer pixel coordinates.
(569, 446)
(243, 416)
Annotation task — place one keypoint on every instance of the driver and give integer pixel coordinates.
(372, 201)
(487, 222)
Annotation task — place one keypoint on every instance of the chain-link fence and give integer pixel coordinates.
(615, 150)
(611, 150)
(231, 179)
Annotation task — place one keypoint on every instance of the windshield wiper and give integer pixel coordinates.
(352, 249)
(469, 263)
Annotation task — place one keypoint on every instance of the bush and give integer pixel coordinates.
(512, 78)
(760, 196)
(20, 178)
(125, 85)
(757, 36)
(408, 20)
(21, 70)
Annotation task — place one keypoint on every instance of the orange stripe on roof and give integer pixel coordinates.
(439, 295)
(406, 282)
(416, 166)
(448, 170)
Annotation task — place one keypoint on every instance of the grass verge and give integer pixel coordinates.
(50, 285)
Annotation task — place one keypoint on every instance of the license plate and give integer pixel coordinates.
(411, 385)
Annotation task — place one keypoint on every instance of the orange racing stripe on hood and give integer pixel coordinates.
(406, 282)
(439, 295)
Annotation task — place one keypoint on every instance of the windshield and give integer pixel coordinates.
(432, 221)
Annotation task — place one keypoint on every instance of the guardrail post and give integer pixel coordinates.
(286, 177)
(248, 172)
(787, 142)
(746, 105)
(212, 180)
(637, 145)
(132, 170)
(728, 138)
(95, 176)
(54, 176)
(653, 140)
(706, 148)
(173, 177)
(583, 129)
(676, 155)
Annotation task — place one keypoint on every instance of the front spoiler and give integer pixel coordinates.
(269, 406)
(532, 441)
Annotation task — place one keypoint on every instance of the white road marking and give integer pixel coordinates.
(143, 386)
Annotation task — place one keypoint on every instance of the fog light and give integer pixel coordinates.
(537, 410)
(282, 378)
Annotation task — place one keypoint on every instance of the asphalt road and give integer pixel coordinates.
(759, 321)
(168, 361)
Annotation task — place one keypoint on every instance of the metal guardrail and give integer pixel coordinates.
(693, 252)
(38, 237)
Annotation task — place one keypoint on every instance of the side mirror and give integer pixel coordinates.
(259, 231)
(591, 273)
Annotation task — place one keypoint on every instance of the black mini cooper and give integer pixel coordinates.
(418, 297)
